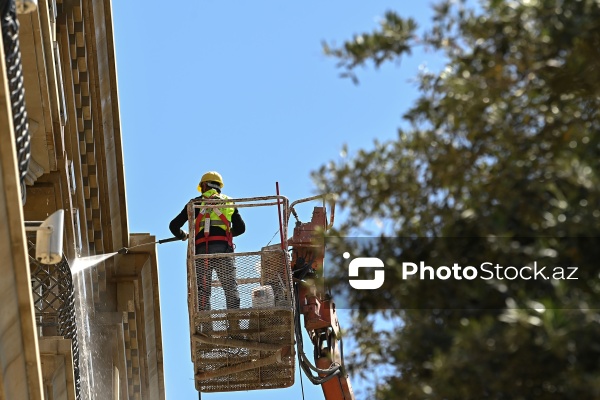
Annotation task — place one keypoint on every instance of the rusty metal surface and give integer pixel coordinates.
(250, 347)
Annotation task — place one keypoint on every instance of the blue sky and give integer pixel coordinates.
(242, 88)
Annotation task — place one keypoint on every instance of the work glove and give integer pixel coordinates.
(182, 235)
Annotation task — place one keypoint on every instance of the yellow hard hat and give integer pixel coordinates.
(211, 176)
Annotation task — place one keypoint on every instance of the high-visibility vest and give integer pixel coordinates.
(214, 216)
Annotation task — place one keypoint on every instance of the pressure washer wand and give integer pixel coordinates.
(124, 250)
(173, 239)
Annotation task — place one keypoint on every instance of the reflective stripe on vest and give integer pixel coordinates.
(214, 216)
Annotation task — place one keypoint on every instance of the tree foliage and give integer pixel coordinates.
(500, 162)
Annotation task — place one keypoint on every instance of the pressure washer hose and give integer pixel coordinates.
(124, 250)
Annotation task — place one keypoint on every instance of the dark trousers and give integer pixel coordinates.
(225, 268)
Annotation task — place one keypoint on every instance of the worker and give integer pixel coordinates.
(215, 229)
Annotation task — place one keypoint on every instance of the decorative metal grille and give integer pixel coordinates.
(54, 301)
(14, 70)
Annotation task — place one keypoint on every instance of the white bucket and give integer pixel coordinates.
(262, 297)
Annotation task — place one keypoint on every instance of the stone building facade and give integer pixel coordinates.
(95, 334)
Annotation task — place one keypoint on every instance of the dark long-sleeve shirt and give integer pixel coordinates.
(238, 226)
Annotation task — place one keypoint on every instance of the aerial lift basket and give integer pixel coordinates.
(250, 347)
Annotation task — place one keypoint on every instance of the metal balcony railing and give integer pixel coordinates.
(14, 70)
(54, 302)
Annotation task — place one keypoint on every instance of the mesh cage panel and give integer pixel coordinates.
(264, 326)
(258, 279)
(241, 304)
(246, 297)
